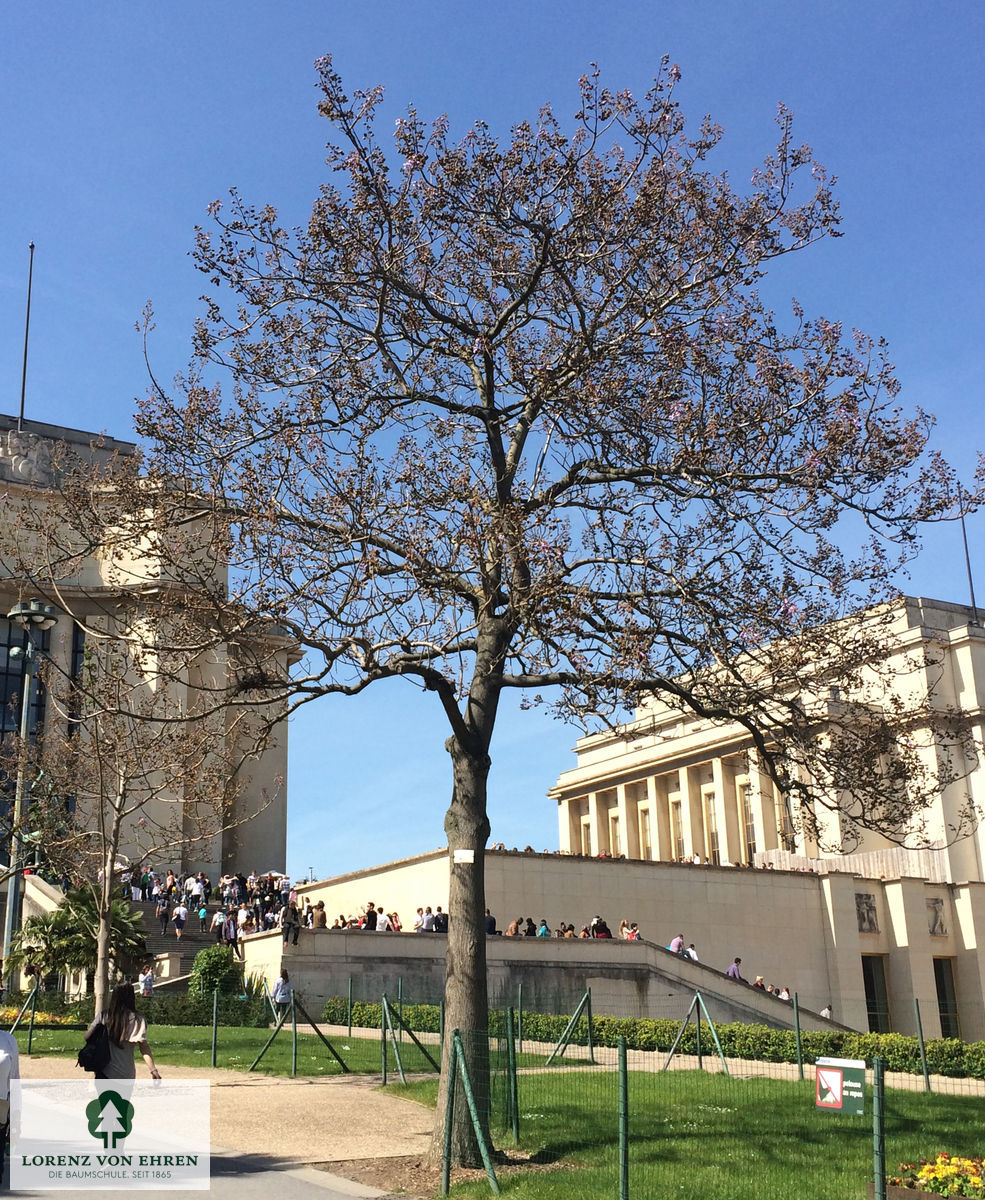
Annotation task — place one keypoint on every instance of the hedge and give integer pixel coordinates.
(945, 1056)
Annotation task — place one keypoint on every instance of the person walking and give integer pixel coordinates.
(145, 980)
(163, 912)
(283, 992)
(125, 1029)
(179, 918)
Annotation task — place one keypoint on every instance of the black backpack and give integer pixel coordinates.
(94, 1055)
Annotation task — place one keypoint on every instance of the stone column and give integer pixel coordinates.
(969, 964)
(727, 817)
(911, 960)
(843, 951)
(693, 819)
(595, 825)
(660, 827)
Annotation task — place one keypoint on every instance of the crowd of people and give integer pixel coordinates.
(258, 903)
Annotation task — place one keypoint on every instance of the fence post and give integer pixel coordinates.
(623, 1122)
(215, 1021)
(697, 1036)
(449, 1117)
(591, 1030)
(383, 1045)
(400, 1007)
(923, 1047)
(294, 1037)
(349, 1009)
(512, 1088)
(30, 1028)
(519, 1018)
(879, 1128)
(800, 1047)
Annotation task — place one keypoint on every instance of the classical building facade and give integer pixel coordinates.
(84, 596)
(673, 823)
(670, 788)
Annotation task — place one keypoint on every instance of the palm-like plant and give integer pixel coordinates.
(65, 940)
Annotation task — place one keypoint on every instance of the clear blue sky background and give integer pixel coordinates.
(121, 122)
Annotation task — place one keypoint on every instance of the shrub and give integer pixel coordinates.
(945, 1056)
(215, 967)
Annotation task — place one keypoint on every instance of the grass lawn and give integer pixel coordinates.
(707, 1137)
(191, 1046)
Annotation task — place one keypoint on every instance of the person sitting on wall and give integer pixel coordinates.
(490, 923)
(531, 928)
(602, 930)
(733, 971)
(543, 929)
(440, 921)
(676, 944)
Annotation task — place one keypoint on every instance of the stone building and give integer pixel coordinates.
(86, 596)
(672, 822)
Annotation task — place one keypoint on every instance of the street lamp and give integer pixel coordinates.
(32, 616)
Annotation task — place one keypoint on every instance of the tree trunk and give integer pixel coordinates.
(466, 1000)
(100, 984)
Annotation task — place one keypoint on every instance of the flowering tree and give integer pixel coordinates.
(511, 415)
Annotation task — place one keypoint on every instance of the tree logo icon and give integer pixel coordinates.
(110, 1117)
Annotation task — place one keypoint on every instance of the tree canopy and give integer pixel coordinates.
(510, 413)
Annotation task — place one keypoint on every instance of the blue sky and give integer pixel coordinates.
(121, 122)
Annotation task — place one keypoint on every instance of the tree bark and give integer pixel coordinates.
(466, 1001)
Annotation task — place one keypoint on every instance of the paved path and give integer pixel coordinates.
(271, 1127)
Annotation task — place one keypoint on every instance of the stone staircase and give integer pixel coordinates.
(181, 954)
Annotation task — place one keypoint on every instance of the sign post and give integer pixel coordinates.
(841, 1085)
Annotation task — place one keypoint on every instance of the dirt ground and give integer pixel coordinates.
(346, 1125)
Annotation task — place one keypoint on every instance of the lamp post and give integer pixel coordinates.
(32, 616)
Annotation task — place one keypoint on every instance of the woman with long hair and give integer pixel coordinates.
(124, 1028)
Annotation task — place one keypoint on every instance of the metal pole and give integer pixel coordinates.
(11, 917)
(400, 1006)
(623, 1122)
(294, 1037)
(27, 330)
(34, 1006)
(800, 1047)
(591, 1029)
(349, 1008)
(449, 1118)
(383, 1046)
(923, 1048)
(519, 1018)
(879, 1128)
(697, 1036)
(511, 1069)
(215, 1022)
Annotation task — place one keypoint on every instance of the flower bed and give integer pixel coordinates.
(945, 1175)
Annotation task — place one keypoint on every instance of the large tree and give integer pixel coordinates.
(511, 415)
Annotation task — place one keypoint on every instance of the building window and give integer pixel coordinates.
(876, 994)
(11, 675)
(677, 824)
(711, 829)
(947, 1001)
(748, 821)
(646, 842)
(614, 844)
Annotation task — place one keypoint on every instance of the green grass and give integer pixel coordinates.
(191, 1046)
(707, 1137)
